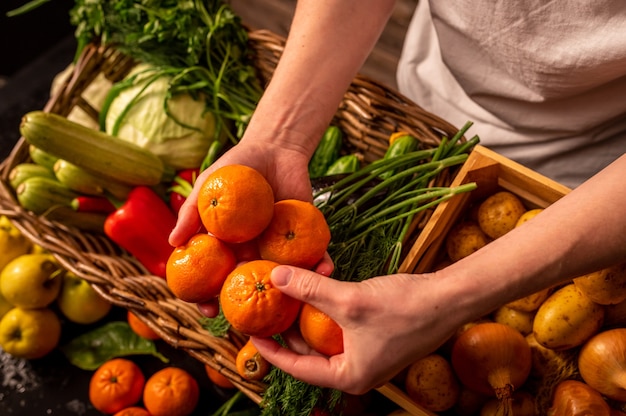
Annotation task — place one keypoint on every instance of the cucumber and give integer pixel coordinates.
(326, 153)
(23, 171)
(345, 164)
(97, 152)
(400, 144)
(39, 194)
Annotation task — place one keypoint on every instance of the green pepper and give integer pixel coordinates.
(326, 153)
(345, 164)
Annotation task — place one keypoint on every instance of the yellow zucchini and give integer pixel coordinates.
(40, 157)
(23, 171)
(39, 194)
(96, 152)
(79, 180)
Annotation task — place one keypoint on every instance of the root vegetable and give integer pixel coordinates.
(602, 363)
(606, 286)
(463, 239)
(531, 302)
(575, 398)
(518, 320)
(492, 358)
(567, 319)
(431, 382)
(523, 404)
(499, 213)
(528, 215)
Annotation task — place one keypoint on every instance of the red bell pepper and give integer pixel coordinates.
(142, 226)
(91, 203)
(181, 187)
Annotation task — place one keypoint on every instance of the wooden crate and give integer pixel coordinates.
(491, 172)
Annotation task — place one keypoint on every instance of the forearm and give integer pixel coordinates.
(583, 232)
(328, 42)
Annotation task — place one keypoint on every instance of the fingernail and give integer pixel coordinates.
(281, 276)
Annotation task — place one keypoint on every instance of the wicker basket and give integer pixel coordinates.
(368, 114)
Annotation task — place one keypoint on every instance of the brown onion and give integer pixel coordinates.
(602, 363)
(492, 358)
(523, 404)
(575, 398)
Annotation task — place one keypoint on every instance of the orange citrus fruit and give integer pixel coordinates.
(298, 234)
(133, 411)
(115, 385)
(218, 378)
(319, 331)
(235, 203)
(251, 303)
(196, 270)
(140, 328)
(171, 391)
(246, 251)
(250, 363)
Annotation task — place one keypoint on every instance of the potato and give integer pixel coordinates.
(531, 302)
(528, 215)
(521, 321)
(463, 239)
(567, 319)
(498, 214)
(432, 383)
(606, 286)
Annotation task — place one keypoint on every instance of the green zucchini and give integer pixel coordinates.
(326, 153)
(25, 170)
(95, 151)
(345, 164)
(82, 181)
(41, 158)
(39, 194)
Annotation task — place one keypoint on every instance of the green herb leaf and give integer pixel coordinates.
(114, 339)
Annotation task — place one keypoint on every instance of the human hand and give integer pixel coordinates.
(285, 169)
(387, 322)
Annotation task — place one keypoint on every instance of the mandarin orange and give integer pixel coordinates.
(235, 203)
(140, 328)
(298, 234)
(319, 331)
(171, 391)
(250, 363)
(196, 270)
(115, 385)
(251, 303)
(218, 378)
(133, 411)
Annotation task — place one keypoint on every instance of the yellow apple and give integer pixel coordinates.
(79, 302)
(29, 333)
(31, 280)
(12, 242)
(5, 305)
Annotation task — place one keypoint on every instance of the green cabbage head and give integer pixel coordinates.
(177, 127)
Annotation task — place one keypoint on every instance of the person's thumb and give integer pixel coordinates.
(305, 285)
